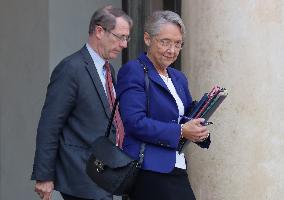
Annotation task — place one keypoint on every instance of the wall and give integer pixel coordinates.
(34, 37)
(69, 25)
(238, 45)
(24, 51)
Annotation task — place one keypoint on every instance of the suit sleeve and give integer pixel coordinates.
(60, 99)
(133, 109)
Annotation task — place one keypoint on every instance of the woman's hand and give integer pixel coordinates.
(194, 131)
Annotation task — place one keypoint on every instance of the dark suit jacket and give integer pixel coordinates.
(75, 113)
(161, 131)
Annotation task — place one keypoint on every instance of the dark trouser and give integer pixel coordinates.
(69, 197)
(155, 186)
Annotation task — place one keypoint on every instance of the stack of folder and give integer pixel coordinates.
(204, 108)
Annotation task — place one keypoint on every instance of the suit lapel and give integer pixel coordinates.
(91, 68)
(155, 77)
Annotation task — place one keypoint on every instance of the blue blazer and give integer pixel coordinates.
(161, 131)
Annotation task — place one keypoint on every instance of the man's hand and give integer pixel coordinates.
(44, 189)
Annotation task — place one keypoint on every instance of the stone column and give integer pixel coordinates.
(238, 45)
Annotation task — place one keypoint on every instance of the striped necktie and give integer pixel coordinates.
(111, 100)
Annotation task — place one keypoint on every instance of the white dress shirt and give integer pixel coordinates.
(99, 63)
(180, 160)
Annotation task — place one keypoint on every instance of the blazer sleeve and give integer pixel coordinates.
(133, 109)
(60, 99)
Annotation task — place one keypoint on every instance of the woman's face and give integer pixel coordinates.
(164, 48)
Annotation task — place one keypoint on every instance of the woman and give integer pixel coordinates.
(163, 174)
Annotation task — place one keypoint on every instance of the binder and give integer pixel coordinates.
(198, 106)
(204, 108)
(213, 106)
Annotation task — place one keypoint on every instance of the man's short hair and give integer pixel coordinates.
(106, 18)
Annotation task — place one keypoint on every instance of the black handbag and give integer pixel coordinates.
(111, 168)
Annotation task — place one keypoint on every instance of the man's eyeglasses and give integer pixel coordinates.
(166, 43)
(122, 38)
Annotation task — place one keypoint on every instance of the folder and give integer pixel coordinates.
(214, 105)
(198, 106)
(204, 108)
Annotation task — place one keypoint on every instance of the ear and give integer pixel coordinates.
(99, 32)
(147, 39)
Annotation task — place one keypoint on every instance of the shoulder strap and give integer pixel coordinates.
(111, 118)
(147, 83)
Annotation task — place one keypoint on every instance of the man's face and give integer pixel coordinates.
(115, 40)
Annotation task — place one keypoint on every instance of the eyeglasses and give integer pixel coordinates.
(122, 38)
(166, 43)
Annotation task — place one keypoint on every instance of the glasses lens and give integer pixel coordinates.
(122, 38)
(168, 43)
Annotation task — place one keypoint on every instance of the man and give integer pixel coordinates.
(76, 111)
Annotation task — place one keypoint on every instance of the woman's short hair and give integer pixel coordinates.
(106, 17)
(159, 18)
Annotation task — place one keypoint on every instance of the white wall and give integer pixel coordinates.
(34, 37)
(23, 77)
(238, 45)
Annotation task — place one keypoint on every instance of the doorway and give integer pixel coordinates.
(139, 11)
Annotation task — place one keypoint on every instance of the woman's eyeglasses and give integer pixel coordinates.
(166, 43)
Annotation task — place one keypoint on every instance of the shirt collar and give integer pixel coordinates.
(97, 59)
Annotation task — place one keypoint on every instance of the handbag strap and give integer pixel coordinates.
(147, 83)
(111, 118)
